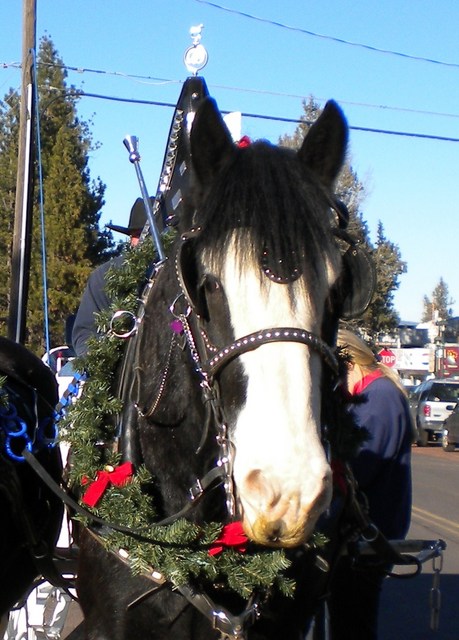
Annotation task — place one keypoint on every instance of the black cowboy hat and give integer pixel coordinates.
(137, 219)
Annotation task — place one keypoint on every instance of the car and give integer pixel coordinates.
(450, 437)
(431, 403)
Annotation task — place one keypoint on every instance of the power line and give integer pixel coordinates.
(164, 81)
(261, 116)
(272, 118)
(368, 47)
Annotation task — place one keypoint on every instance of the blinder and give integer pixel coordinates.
(358, 281)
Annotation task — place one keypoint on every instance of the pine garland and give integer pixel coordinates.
(181, 550)
(3, 394)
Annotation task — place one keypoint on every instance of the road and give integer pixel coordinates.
(405, 610)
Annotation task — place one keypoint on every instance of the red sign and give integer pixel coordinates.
(388, 357)
(451, 357)
(450, 360)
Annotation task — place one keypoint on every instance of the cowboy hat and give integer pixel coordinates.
(137, 219)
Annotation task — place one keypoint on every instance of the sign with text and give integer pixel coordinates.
(387, 357)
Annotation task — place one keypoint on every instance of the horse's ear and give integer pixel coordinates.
(210, 141)
(324, 147)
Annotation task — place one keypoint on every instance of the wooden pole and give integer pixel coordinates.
(22, 237)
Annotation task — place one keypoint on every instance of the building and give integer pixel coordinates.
(418, 351)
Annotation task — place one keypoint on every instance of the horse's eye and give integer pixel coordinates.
(210, 296)
(211, 284)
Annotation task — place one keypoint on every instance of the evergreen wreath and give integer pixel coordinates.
(181, 552)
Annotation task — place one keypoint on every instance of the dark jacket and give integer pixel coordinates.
(93, 300)
(383, 465)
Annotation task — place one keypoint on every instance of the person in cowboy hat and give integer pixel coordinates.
(137, 220)
(95, 298)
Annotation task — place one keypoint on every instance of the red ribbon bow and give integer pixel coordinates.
(118, 477)
(232, 535)
(245, 141)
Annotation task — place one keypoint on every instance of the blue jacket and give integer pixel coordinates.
(382, 467)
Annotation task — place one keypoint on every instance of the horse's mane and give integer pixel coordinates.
(265, 188)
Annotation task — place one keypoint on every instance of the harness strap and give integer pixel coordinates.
(371, 535)
(212, 479)
(231, 627)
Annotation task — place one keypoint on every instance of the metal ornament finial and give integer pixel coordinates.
(196, 56)
(132, 145)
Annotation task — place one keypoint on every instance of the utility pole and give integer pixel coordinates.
(20, 259)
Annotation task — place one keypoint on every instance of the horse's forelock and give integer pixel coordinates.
(274, 206)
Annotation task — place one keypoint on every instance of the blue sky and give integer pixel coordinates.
(256, 66)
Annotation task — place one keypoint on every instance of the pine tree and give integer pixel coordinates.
(438, 307)
(72, 202)
(381, 315)
(348, 189)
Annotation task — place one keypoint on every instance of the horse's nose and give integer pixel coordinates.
(274, 515)
(267, 492)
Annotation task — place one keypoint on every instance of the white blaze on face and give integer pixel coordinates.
(281, 473)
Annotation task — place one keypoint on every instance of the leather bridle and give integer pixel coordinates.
(208, 359)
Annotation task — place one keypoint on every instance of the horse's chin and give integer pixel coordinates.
(276, 534)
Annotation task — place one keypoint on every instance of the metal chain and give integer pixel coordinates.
(151, 411)
(226, 448)
(192, 346)
(435, 593)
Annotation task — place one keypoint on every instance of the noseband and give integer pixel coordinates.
(259, 338)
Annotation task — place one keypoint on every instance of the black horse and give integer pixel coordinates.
(31, 513)
(239, 388)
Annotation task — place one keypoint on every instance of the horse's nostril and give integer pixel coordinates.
(276, 532)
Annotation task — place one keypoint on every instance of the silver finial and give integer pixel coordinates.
(195, 57)
(132, 145)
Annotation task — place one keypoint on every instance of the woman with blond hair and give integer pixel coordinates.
(382, 468)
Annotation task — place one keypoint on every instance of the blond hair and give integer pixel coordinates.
(360, 353)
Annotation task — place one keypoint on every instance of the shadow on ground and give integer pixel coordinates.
(405, 609)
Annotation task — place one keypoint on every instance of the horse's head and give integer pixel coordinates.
(266, 258)
(260, 267)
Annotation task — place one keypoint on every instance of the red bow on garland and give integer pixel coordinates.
(118, 477)
(232, 535)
